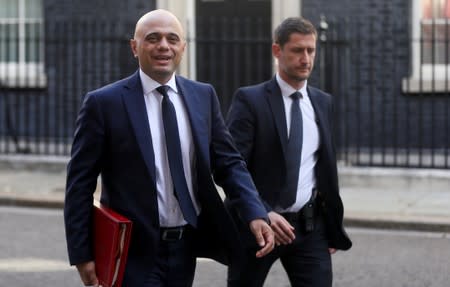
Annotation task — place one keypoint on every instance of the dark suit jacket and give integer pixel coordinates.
(113, 138)
(257, 122)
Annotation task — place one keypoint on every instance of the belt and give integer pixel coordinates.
(292, 216)
(173, 233)
(305, 217)
(299, 215)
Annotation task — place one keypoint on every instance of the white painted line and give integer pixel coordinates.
(392, 232)
(31, 210)
(33, 265)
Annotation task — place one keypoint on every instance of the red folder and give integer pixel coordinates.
(112, 233)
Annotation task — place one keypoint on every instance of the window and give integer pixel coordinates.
(21, 44)
(435, 30)
(430, 47)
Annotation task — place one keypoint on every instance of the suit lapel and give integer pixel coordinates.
(320, 108)
(194, 104)
(276, 103)
(133, 98)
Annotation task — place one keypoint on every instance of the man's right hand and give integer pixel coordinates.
(87, 273)
(284, 231)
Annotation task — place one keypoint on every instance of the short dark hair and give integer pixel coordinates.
(292, 25)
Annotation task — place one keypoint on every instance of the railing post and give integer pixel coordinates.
(323, 27)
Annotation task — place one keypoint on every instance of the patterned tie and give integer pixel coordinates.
(294, 152)
(175, 158)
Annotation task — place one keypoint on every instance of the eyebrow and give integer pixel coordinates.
(170, 34)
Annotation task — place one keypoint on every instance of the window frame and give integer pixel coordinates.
(21, 73)
(425, 78)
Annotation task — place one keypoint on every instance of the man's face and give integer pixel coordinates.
(159, 45)
(296, 58)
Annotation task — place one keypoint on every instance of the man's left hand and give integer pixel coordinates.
(264, 236)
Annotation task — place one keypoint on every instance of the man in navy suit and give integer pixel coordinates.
(158, 176)
(283, 129)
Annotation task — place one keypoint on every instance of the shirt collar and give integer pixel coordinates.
(287, 90)
(149, 85)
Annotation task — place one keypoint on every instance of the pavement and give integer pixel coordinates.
(391, 198)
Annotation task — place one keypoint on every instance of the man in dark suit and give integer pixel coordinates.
(283, 129)
(157, 139)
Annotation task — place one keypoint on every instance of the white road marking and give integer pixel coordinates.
(33, 265)
(31, 211)
(393, 232)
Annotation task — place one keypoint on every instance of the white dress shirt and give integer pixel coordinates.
(170, 214)
(311, 140)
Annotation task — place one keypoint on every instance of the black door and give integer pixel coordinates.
(233, 44)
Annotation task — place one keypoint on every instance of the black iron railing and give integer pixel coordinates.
(40, 98)
(389, 111)
(391, 106)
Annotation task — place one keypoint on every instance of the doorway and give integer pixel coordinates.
(233, 40)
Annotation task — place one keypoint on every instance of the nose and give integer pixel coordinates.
(304, 55)
(163, 44)
(305, 58)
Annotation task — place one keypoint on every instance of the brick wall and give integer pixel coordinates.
(366, 70)
(87, 46)
(97, 9)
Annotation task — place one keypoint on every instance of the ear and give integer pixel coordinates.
(184, 46)
(133, 46)
(276, 50)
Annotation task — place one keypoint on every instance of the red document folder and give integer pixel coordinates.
(112, 233)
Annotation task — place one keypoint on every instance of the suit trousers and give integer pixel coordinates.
(174, 263)
(307, 261)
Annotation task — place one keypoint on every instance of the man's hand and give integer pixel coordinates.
(284, 231)
(87, 274)
(264, 236)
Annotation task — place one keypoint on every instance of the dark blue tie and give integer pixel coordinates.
(294, 152)
(175, 158)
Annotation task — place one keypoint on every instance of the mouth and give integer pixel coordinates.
(304, 70)
(304, 67)
(162, 59)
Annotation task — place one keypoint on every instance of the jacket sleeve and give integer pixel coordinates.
(241, 123)
(230, 170)
(82, 173)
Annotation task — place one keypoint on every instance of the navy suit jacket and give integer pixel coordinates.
(113, 139)
(257, 122)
